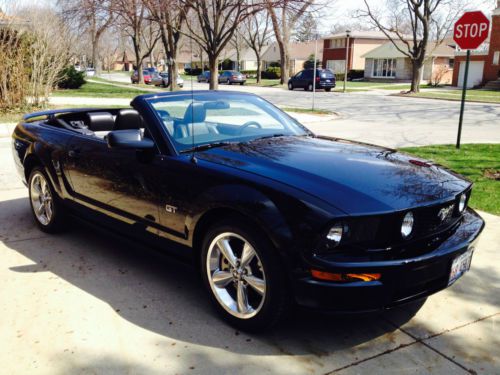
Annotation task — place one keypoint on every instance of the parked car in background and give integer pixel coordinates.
(146, 74)
(272, 214)
(325, 79)
(165, 81)
(232, 76)
(204, 77)
(90, 72)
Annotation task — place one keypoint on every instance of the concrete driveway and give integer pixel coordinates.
(86, 302)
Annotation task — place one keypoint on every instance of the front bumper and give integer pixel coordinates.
(402, 280)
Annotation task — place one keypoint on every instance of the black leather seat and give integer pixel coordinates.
(127, 119)
(100, 121)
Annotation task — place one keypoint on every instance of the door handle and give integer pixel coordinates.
(74, 153)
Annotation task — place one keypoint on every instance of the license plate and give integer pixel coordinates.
(460, 265)
(328, 81)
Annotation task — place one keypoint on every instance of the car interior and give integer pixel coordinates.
(100, 122)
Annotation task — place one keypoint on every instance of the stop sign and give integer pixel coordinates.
(471, 30)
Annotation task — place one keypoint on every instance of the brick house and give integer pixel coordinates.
(388, 63)
(360, 42)
(484, 68)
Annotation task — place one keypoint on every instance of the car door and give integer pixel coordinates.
(297, 80)
(116, 182)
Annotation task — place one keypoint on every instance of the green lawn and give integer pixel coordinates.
(472, 161)
(91, 89)
(307, 110)
(488, 96)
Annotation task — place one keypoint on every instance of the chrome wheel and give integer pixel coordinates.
(41, 199)
(236, 275)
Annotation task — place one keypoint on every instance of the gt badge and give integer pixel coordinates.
(170, 209)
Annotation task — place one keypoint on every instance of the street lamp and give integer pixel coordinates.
(348, 34)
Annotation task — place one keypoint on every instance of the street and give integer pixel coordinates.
(374, 117)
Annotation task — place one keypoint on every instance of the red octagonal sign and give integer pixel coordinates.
(471, 30)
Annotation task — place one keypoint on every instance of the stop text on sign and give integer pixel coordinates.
(472, 30)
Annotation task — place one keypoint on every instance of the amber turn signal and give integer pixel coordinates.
(345, 277)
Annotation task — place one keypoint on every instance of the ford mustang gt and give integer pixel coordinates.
(272, 214)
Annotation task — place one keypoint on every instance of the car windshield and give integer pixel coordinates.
(204, 120)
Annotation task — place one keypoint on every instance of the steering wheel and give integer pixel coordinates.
(248, 124)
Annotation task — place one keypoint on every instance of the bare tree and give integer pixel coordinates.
(217, 20)
(306, 29)
(424, 20)
(284, 18)
(238, 43)
(256, 33)
(49, 52)
(134, 19)
(90, 18)
(170, 15)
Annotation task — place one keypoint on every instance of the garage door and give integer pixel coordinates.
(475, 73)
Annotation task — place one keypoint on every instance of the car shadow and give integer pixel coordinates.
(166, 296)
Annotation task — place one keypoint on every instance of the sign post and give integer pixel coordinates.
(469, 32)
(462, 105)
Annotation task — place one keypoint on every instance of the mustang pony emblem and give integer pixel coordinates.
(445, 212)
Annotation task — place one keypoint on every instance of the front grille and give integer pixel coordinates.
(429, 220)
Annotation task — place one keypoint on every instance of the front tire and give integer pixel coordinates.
(290, 86)
(243, 275)
(47, 209)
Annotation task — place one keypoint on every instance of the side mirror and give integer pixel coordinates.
(129, 139)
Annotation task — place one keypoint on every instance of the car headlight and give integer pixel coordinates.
(407, 225)
(335, 233)
(462, 203)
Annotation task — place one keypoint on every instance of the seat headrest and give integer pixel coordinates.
(195, 112)
(100, 121)
(128, 119)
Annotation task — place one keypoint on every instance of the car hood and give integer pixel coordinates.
(354, 177)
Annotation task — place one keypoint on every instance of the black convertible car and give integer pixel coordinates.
(272, 214)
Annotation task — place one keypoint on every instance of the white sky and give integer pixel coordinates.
(336, 11)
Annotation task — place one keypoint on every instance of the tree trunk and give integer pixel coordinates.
(283, 63)
(416, 75)
(259, 70)
(214, 76)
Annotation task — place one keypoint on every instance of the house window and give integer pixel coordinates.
(336, 43)
(451, 63)
(385, 68)
(496, 57)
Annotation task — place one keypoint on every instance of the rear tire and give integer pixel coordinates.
(234, 251)
(46, 207)
(328, 89)
(310, 87)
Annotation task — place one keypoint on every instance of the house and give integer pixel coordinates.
(360, 42)
(484, 66)
(387, 62)
(247, 58)
(298, 52)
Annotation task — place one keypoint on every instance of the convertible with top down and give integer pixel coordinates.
(271, 214)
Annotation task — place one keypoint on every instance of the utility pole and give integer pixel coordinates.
(314, 72)
(348, 34)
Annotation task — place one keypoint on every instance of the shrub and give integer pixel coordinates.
(71, 78)
(272, 73)
(309, 63)
(250, 73)
(193, 71)
(274, 64)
